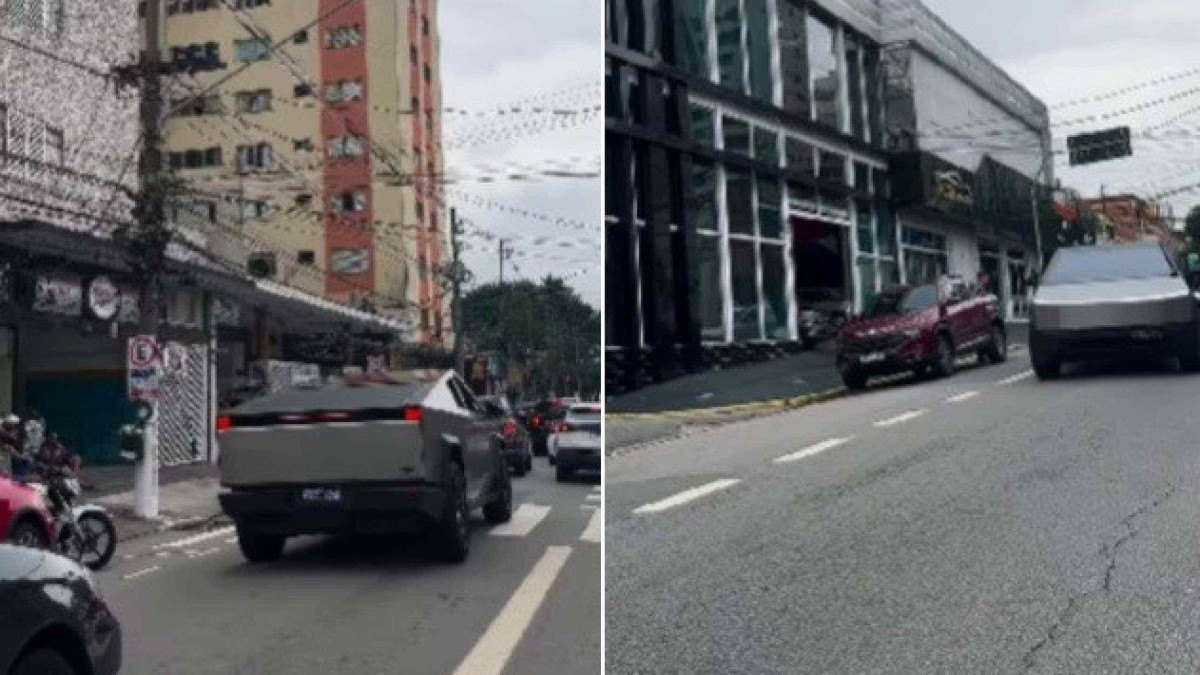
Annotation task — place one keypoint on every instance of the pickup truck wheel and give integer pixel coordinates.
(499, 509)
(453, 528)
(1047, 370)
(943, 360)
(260, 547)
(997, 349)
(43, 662)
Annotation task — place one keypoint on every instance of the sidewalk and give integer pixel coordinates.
(664, 411)
(187, 497)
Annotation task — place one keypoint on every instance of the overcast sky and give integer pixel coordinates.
(497, 54)
(1062, 50)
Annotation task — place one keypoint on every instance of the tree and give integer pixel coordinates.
(1191, 228)
(544, 328)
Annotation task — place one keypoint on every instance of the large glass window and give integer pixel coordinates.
(874, 92)
(739, 201)
(889, 274)
(745, 290)
(766, 146)
(635, 13)
(924, 256)
(833, 167)
(770, 220)
(885, 227)
(801, 157)
(866, 226)
(729, 45)
(854, 81)
(793, 53)
(758, 47)
(702, 196)
(707, 271)
(702, 125)
(695, 38)
(737, 135)
(823, 60)
(774, 292)
(866, 275)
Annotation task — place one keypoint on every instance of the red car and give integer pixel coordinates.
(24, 519)
(921, 329)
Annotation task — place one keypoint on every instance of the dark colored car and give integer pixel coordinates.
(543, 420)
(52, 619)
(1126, 300)
(24, 519)
(515, 442)
(920, 329)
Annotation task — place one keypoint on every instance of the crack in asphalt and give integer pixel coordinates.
(1108, 552)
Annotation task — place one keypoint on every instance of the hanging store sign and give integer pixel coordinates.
(103, 298)
(143, 368)
(226, 313)
(128, 312)
(58, 295)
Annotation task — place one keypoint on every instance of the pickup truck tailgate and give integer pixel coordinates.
(334, 452)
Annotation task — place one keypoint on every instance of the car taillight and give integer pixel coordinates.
(510, 428)
(413, 413)
(224, 423)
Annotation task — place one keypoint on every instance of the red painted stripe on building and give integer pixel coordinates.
(421, 187)
(346, 231)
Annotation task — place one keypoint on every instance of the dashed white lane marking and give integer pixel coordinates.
(588, 507)
(142, 572)
(705, 396)
(592, 531)
(1016, 378)
(192, 553)
(901, 418)
(593, 497)
(524, 519)
(211, 534)
(490, 655)
(813, 450)
(687, 496)
(965, 396)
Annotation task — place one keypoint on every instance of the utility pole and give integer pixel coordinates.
(502, 258)
(456, 279)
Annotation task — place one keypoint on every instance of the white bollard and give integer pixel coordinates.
(145, 483)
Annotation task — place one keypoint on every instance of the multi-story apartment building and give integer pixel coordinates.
(1128, 217)
(316, 162)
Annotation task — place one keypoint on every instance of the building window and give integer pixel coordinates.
(255, 157)
(703, 131)
(251, 4)
(251, 49)
(832, 167)
(345, 146)
(424, 25)
(301, 37)
(770, 205)
(344, 90)
(253, 102)
(766, 146)
(302, 90)
(307, 258)
(739, 201)
(793, 57)
(348, 201)
(255, 209)
(343, 36)
(873, 91)
(800, 157)
(192, 106)
(207, 54)
(55, 148)
(426, 72)
(854, 80)
(775, 292)
(737, 135)
(303, 145)
(412, 54)
(206, 158)
(729, 45)
(350, 261)
(758, 50)
(925, 257)
(744, 266)
(823, 62)
(695, 38)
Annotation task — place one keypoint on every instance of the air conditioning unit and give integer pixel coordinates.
(261, 265)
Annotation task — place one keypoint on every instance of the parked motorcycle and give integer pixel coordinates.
(83, 533)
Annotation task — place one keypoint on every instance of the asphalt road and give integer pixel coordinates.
(984, 523)
(527, 600)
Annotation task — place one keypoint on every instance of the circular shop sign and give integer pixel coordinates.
(103, 298)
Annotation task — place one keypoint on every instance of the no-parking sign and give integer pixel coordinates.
(143, 368)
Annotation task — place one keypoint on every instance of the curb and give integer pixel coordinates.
(753, 408)
(165, 525)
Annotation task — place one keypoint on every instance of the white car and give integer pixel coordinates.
(576, 444)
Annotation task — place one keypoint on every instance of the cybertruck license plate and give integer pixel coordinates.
(321, 495)
(873, 357)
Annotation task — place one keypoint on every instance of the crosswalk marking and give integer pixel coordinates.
(965, 396)
(524, 519)
(1016, 378)
(592, 531)
(687, 496)
(812, 450)
(183, 543)
(490, 655)
(593, 497)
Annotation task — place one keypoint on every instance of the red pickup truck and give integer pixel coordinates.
(920, 329)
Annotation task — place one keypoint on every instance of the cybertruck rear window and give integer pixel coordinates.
(1083, 265)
